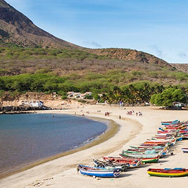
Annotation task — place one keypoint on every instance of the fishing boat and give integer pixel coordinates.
(184, 131)
(170, 122)
(146, 152)
(162, 136)
(185, 150)
(184, 136)
(167, 132)
(109, 165)
(176, 127)
(144, 159)
(156, 143)
(168, 172)
(147, 147)
(140, 155)
(99, 172)
(159, 141)
(147, 144)
(122, 160)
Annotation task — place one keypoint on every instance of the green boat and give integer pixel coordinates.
(144, 160)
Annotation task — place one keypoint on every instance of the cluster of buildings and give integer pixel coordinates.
(76, 95)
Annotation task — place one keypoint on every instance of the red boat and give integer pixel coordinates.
(119, 160)
(159, 143)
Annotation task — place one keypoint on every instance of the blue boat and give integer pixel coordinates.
(98, 171)
(170, 122)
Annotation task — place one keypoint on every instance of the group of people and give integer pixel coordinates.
(138, 113)
(132, 111)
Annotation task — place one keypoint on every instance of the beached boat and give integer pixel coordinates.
(184, 136)
(160, 152)
(156, 143)
(147, 147)
(98, 172)
(159, 141)
(168, 172)
(184, 131)
(144, 149)
(109, 165)
(164, 137)
(144, 159)
(141, 155)
(144, 152)
(176, 127)
(147, 144)
(170, 122)
(168, 131)
(185, 150)
(122, 160)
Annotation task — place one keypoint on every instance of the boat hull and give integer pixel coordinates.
(185, 150)
(167, 173)
(121, 160)
(98, 172)
(144, 160)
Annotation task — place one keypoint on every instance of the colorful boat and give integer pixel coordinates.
(137, 155)
(170, 122)
(109, 165)
(147, 147)
(171, 141)
(160, 152)
(168, 131)
(168, 172)
(185, 150)
(184, 136)
(144, 159)
(121, 160)
(98, 172)
(154, 144)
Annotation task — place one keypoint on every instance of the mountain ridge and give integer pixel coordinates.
(16, 28)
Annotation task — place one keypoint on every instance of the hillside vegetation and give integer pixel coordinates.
(32, 59)
(15, 60)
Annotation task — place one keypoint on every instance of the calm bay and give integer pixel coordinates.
(26, 138)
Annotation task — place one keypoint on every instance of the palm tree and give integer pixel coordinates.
(2, 94)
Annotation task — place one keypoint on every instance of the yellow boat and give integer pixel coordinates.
(168, 172)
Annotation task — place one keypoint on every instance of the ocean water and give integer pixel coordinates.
(26, 138)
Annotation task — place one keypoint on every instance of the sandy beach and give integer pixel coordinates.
(134, 130)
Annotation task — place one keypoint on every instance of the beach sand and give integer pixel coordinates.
(134, 130)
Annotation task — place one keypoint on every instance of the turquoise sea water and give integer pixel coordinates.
(26, 138)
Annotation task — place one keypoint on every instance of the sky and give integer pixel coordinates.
(158, 27)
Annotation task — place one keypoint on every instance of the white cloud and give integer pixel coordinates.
(157, 50)
(91, 44)
(182, 55)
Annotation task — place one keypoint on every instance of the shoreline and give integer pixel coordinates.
(133, 131)
(111, 130)
(97, 151)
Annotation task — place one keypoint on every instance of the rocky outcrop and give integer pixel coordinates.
(130, 55)
(17, 28)
(52, 100)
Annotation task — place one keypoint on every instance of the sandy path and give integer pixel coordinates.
(134, 130)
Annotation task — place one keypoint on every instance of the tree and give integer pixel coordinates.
(2, 93)
(168, 96)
